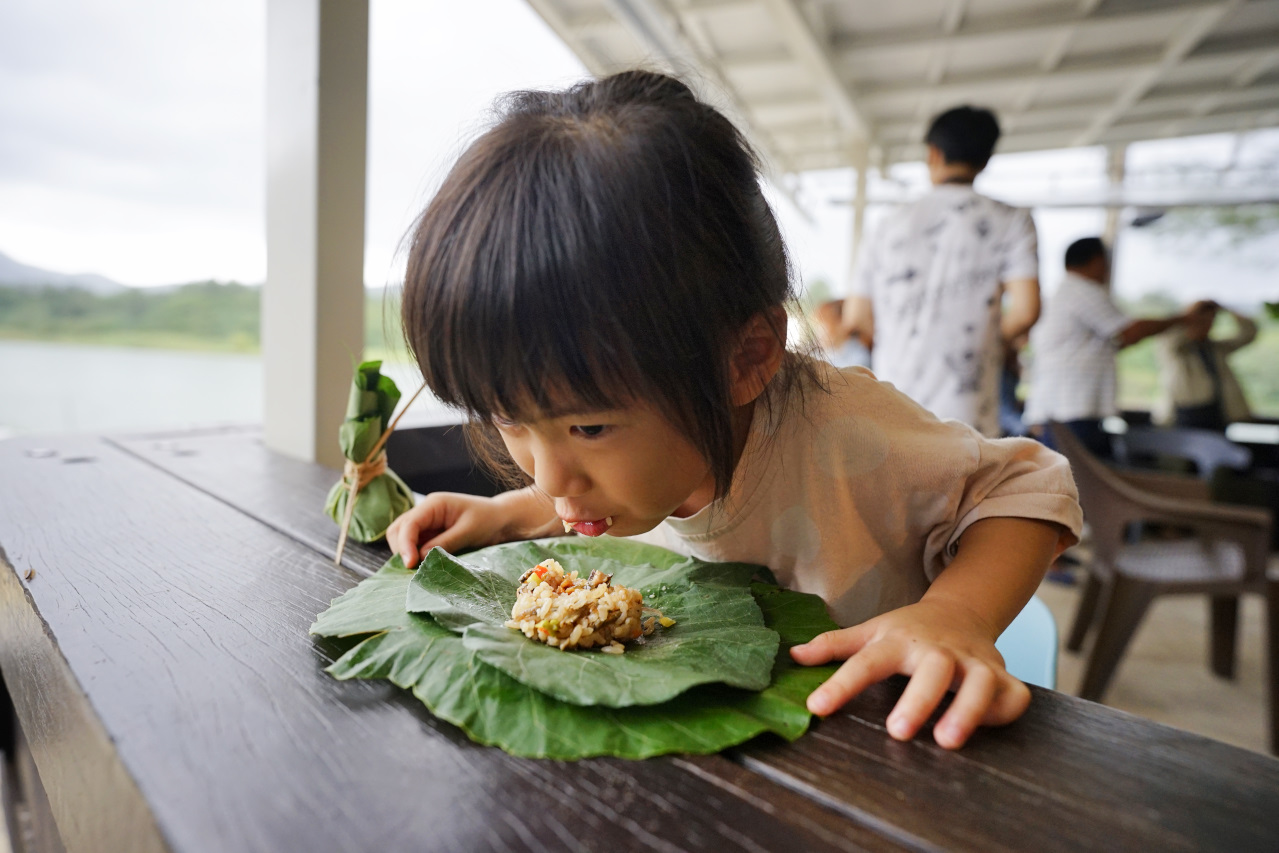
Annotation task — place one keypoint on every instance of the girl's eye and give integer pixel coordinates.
(591, 431)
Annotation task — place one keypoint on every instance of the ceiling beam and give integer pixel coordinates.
(952, 17)
(1260, 55)
(1022, 24)
(1256, 67)
(796, 31)
(1218, 122)
(1008, 79)
(1177, 49)
(757, 59)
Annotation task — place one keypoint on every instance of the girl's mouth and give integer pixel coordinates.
(589, 528)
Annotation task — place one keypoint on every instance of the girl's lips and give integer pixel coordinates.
(590, 528)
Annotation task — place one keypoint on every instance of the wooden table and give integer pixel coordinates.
(155, 594)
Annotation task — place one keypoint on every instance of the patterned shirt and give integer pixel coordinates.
(934, 274)
(858, 495)
(1073, 372)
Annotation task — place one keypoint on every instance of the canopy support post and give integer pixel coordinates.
(313, 301)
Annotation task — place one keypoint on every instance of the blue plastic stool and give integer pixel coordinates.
(1029, 645)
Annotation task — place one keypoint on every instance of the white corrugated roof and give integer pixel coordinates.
(825, 83)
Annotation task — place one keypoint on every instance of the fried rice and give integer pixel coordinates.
(564, 611)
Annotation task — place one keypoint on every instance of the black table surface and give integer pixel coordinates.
(155, 595)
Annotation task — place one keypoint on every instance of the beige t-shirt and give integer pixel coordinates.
(859, 495)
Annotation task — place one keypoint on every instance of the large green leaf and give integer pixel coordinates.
(416, 653)
(719, 635)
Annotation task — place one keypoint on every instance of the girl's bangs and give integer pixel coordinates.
(543, 355)
(541, 376)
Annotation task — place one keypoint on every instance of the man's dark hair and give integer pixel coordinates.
(597, 247)
(1084, 251)
(965, 135)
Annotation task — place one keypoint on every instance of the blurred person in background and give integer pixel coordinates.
(838, 346)
(1011, 408)
(1073, 376)
(1198, 387)
(926, 296)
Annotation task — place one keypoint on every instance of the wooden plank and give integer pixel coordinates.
(1070, 773)
(1067, 772)
(235, 466)
(158, 658)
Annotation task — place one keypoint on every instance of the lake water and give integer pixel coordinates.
(50, 388)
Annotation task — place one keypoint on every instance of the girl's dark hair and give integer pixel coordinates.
(597, 247)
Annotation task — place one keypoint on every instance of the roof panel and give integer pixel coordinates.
(1012, 55)
(866, 17)
(810, 78)
(1250, 18)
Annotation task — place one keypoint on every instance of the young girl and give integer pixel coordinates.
(599, 283)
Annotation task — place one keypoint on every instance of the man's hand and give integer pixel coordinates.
(941, 647)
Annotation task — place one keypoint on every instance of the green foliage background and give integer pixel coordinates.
(1256, 365)
(206, 315)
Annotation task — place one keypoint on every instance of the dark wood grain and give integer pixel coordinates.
(159, 663)
(1070, 774)
(1067, 772)
(234, 466)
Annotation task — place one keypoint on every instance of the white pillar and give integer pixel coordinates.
(1115, 157)
(313, 301)
(861, 162)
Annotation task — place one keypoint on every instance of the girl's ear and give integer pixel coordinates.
(758, 355)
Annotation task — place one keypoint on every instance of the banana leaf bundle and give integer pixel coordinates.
(370, 496)
(438, 632)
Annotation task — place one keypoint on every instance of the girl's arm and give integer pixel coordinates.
(946, 641)
(454, 521)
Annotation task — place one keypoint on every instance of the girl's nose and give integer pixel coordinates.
(558, 474)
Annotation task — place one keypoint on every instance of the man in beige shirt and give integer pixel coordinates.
(1199, 389)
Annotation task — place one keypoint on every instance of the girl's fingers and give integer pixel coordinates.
(831, 645)
(927, 686)
(871, 665)
(406, 543)
(1010, 703)
(451, 539)
(969, 707)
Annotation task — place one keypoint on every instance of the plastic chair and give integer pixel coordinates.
(1225, 556)
(1029, 645)
(1208, 450)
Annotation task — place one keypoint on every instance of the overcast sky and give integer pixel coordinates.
(131, 143)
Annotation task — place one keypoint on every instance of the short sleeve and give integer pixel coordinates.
(1021, 249)
(1096, 311)
(939, 477)
(1013, 478)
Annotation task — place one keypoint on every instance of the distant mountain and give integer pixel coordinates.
(15, 274)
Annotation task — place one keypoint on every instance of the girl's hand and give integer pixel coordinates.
(942, 647)
(450, 520)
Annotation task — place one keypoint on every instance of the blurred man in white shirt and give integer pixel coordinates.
(1073, 376)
